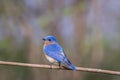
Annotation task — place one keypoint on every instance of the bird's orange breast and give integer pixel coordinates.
(46, 43)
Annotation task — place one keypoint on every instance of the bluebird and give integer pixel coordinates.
(55, 53)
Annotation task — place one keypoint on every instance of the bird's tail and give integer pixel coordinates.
(70, 65)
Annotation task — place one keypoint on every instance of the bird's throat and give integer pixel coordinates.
(46, 43)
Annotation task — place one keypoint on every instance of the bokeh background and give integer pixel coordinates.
(88, 30)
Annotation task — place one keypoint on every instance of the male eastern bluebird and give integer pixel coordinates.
(54, 52)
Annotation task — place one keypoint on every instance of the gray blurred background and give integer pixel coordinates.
(88, 30)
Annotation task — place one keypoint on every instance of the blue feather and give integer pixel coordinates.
(56, 52)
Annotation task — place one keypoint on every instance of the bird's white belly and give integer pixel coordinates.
(50, 59)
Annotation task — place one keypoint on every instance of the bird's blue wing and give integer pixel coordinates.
(56, 52)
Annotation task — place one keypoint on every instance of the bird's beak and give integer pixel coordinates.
(43, 39)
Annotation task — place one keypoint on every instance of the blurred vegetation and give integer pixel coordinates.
(88, 30)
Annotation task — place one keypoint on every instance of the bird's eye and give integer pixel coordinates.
(49, 39)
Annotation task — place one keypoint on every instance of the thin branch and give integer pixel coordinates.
(57, 67)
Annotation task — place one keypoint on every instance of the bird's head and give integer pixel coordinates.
(49, 40)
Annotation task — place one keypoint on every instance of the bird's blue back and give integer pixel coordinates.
(55, 51)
